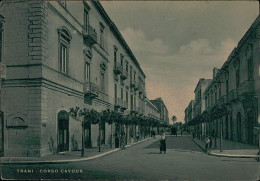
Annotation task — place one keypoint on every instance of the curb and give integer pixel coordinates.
(233, 156)
(68, 161)
(225, 155)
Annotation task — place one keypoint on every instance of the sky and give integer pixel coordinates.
(177, 43)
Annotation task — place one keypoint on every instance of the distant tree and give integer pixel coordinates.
(174, 118)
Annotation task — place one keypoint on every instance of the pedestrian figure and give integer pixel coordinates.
(210, 142)
(137, 136)
(163, 143)
(181, 132)
(123, 140)
(207, 141)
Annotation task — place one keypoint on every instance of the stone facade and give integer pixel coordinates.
(158, 102)
(61, 55)
(233, 94)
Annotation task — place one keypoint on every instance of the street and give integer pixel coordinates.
(183, 160)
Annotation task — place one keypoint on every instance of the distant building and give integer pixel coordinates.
(189, 112)
(164, 117)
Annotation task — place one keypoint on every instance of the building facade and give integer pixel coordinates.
(158, 102)
(232, 97)
(60, 55)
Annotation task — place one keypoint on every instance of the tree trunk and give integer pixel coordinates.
(82, 140)
(111, 135)
(99, 138)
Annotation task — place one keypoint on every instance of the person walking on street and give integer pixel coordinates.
(207, 141)
(163, 143)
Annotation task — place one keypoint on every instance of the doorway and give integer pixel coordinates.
(239, 126)
(63, 131)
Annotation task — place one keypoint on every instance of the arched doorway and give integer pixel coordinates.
(239, 126)
(63, 131)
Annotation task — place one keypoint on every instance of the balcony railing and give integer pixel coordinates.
(124, 105)
(232, 95)
(117, 68)
(90, 34)
(246, 87)
(222, 100)
(124, 74)
(132, 83)
(90, 89)
(117, 102)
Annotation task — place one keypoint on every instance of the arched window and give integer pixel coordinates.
(64, 42)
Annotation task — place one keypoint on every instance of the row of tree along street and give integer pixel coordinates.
(88, 117)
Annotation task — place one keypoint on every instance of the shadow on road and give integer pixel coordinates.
(153, 153)
(177, 143)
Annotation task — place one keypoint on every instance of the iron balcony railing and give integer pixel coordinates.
(117, 68)
(132, 83)
(117, 102)
(90, 34)
(246, 87)
(91, 89)
(232, 95)
(124, 74)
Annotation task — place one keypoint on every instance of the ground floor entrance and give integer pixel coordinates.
(63, 131)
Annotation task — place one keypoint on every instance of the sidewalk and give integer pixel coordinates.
(230, 149)
(65, 157)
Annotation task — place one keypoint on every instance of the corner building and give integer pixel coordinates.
(61, 55)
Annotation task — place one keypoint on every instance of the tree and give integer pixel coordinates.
(174, 118)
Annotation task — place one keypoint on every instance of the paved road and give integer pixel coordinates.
(183, 161)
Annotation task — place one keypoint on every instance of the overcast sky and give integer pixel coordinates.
(177, 43)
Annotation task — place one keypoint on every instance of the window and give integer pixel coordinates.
(115, 57)
(219, 91)
(102, 37)
(121, 60)
(87, 72)
(237, 78)
(86, 19)
(63, 58)
(122, 93)
(126, 96)
(64, 41)
(102, 82)
(115, 91)
(227, 87)
(215, 95)
(1, 42)
(126, 66)
(250, 68)
(102, 30)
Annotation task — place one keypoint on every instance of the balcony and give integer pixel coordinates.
(222, 100)
(133, 109)
(117, 102)
(232, 95)
(90, 35)
(117, 68)
(90, 89)
(246, 87)
(132, 83)
(124, 105)
(124, 74)
(145, 95)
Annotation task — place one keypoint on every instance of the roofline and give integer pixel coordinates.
(117, 33)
